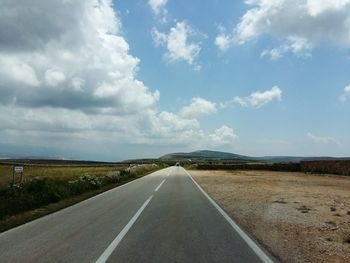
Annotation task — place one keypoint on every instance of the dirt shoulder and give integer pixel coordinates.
(298, 217)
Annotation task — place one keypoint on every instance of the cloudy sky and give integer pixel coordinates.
(111, 80)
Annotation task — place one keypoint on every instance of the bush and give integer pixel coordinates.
(125, 173)
(84, 183)
(47, 191)
(39, 192)
(111, 178)
(43, 191)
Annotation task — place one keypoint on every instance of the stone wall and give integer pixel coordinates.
(341, 167)
(290, 167)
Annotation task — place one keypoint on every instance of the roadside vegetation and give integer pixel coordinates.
(44, 186)
(56, 172)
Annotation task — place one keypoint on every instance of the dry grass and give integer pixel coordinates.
(298, 217)
(56, 184)
(57, 172)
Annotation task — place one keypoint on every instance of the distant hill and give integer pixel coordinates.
(54, 162)
(204, 154)
(216, 155)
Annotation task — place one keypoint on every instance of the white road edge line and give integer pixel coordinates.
(251, 243)
(109, 250)
(159, 185)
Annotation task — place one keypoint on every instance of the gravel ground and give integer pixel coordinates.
(297, 217)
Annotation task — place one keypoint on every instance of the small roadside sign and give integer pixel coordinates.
(18, 169)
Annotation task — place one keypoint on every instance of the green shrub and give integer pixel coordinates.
(47, 191)
(39, 192)
(125, 173)
(111, 178)
(43, 191)
(84, 183)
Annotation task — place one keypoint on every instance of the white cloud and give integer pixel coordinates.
(158, 6)
(223, 135)
(16, 71)
(83, 42)
(198, 107)
(223, 42)
(274, 53)
(297, 46)
(177, 43)
(78, 84)
(346, 94)
(76, 79)
(322, 140)
(257, 99)
(299, 25)
(317, 7)
(54, 77)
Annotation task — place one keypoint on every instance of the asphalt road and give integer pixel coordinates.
(162, 217)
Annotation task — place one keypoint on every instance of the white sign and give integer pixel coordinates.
(18, 169)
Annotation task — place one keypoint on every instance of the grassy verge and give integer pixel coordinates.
(63, 172)
(42, 196)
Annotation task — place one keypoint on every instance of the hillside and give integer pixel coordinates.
(205, 155)
(216, 155)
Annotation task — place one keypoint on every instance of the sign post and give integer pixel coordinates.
(17, 170)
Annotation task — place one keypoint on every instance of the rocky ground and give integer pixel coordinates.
(298, 217)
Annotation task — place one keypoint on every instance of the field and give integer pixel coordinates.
(48, 188)
(57, 172)
(298, 217)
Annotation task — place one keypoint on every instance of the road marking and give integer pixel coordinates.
(109, 250)
(159, 185)
(251, 243)
(80, 203)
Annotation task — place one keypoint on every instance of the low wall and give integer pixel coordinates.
(290, 167)
(340, 167)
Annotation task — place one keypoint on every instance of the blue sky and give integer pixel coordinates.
(128, 79)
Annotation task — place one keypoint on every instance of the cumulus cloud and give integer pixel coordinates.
(300, 25)
(299, 46)
(346, 94)
(223, 40)
(71, 75)
(16, 71)
(257, 99)
(54, 77)
(223, 135)
(82, 43)
(198, 107)
(158, 7)
(177, 43)
(321, 139)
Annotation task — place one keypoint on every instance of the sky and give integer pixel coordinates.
(113, 80)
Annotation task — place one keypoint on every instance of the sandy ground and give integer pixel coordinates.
(298, 217)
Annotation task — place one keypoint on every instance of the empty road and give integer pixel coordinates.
(162, 217)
